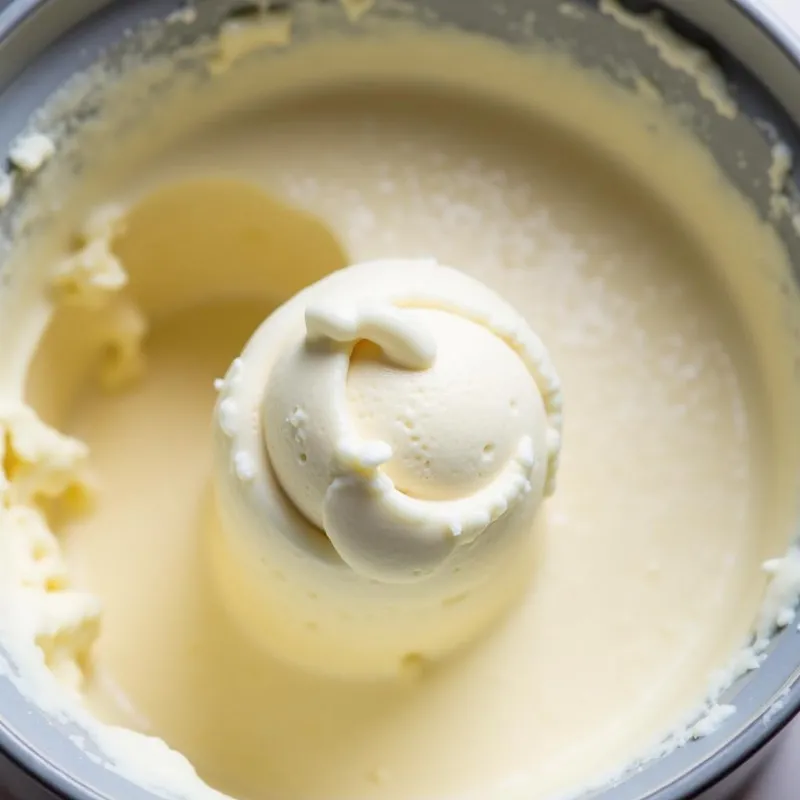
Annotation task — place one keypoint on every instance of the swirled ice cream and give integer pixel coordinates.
(409, 415)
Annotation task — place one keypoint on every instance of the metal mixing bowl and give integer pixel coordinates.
(43, 42)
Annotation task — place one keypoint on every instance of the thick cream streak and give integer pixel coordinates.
(408, 346)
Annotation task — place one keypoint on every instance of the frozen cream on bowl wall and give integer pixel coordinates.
(410, 416)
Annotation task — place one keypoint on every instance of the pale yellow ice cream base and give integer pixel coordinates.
(658, 293)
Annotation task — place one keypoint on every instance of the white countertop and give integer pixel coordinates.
(789, 8)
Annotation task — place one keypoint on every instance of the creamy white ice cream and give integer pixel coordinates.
(406, 412)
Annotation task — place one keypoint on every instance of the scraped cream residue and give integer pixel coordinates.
(30, 152)
(712, 721)
(572, 11)
(94, 270)
(239, 38)
(679, 54)
(355, 9)
(780, 603)
(183, 16)
(781, 203)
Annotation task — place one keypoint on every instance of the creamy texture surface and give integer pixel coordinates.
(640, 576)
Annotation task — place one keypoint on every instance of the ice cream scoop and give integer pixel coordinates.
(396, 426)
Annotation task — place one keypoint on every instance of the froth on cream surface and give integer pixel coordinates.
(640, 576)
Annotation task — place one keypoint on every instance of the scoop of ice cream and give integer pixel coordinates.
(382, 447)
(404, 426)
